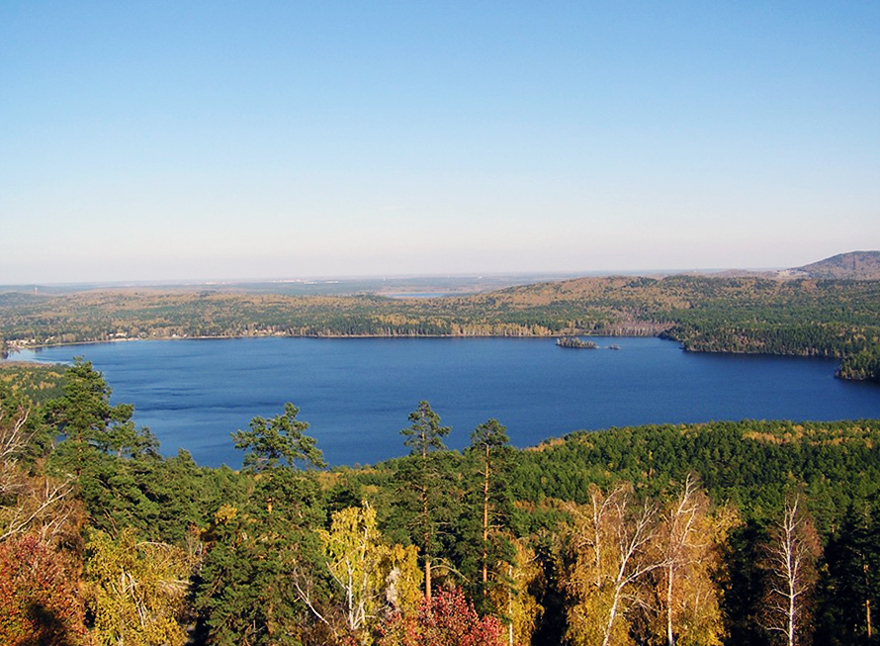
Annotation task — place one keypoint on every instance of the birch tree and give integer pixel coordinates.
(689, 541)
(790, 561)
(368, 576)
(29, 503)
(610, 549)
(136, 590)
(513, 599)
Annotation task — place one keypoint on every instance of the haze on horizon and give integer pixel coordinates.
(233, 140)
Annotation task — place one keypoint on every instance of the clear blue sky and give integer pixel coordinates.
(229, 140)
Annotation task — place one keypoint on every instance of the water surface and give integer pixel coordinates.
(356, 393)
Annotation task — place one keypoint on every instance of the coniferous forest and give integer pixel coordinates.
(722, 533)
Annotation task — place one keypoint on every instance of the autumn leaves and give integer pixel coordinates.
(638, 572)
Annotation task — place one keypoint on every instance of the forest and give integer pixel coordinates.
(751, 532)
(832, 318)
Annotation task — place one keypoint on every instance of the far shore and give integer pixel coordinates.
(16, 347)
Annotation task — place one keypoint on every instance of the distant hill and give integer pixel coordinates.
(855, 265)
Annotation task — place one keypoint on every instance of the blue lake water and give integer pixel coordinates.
(357, 393)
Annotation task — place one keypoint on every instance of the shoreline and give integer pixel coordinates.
(15, 348)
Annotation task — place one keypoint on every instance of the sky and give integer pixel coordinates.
(218, 140)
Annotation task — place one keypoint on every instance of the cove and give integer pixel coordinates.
(356, 394)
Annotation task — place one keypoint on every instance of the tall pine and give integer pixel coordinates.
(419, 477)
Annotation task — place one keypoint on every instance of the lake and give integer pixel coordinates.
(357, 393)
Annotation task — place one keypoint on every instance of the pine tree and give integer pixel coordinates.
(420, 476)
(489, 448)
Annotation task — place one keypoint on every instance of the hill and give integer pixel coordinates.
(855, 265)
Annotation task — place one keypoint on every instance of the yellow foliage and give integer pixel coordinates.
(136, 590)
(689, 544)
(225, 514)
(519, 609)
(403, 590)
(369, 574)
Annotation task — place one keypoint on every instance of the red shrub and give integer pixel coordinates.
(39, 597)
(448, 619)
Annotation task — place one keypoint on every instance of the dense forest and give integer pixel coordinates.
(722, 533)
(831, 318)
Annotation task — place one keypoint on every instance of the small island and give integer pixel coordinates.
(575, 342)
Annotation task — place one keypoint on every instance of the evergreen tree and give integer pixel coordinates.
(420, 477)
(490, 451)
(851, 585)
(278, 441)
(85, 419)
(258, 541)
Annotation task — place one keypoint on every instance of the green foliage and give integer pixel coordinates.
(23, 389)
(489, 436)
(36, 382)
(489, 506)
(749, 463)
(424, 483)
(424, 434)
(850, 586)
(862, 365)
(83, 415)
(118, 472)
(276, 442)
(246, 591)
(30, 502)
(161, 498)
